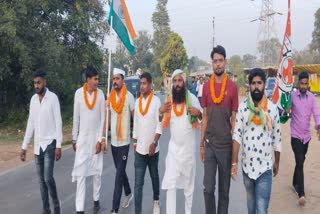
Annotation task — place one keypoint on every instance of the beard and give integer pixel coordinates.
(179, 95)
(40, 91)
(257, 95)
(219, 73)
(302, 90)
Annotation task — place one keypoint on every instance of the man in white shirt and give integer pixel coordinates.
(257, 131)
(121, 103)
(46, 124)
(88, 122)
(199, 88)
(147, 130)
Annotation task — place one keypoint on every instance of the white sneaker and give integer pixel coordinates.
(156, 207)
(127, 200)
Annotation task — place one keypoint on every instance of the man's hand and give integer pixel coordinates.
(234, 171)
(134, 148)
(104, 147)
(194, 111)
(165, 107)
(58, 153)
(152, 149)
(275, 169)
(23, 154)
(74, 145)
(98, 147)
(202, 153)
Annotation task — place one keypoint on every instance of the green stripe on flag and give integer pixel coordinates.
(120, 29)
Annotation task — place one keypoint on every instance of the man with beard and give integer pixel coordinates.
(121, 107)
(303, 104)
(46, 124)
(147, 130)
(181, 111)
(88, 121)
(257, 131)
(220, 103)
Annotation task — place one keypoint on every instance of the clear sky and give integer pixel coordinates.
(233, 29)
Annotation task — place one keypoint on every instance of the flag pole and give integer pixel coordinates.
(108, 84)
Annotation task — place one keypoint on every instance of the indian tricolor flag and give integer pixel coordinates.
(122, 23)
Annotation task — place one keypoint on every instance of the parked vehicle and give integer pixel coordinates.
(133, 85)
(270, 84)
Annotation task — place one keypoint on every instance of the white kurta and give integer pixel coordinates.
(87, 131)
(181, 157)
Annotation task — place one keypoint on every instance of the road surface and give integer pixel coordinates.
(19, 188)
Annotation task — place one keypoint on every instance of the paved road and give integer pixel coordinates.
(19, 188)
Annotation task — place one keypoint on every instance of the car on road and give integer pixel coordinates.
(270, 84)
(133, 85)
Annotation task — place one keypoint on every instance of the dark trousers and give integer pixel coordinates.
(120, 157)
(140, 164)
(45, 164)
(216, 159)
(300, 151)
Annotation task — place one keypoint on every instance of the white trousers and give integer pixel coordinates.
(81, 191)
(172, 198)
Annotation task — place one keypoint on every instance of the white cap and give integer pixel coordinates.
(118, 71)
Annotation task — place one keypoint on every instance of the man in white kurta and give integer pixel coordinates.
(180, 161)
(88, 121)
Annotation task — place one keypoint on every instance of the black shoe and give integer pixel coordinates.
(114, 211)
(80, 212)
(47, 212)
(96, 206)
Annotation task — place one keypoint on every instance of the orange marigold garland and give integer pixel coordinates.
(264, 105)
(178, 113)
(95, 92)
(144, 111)
(219, 99)
(118, 106)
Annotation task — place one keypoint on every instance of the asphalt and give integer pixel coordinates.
(20, 192)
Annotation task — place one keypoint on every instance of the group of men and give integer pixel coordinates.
(225, 126)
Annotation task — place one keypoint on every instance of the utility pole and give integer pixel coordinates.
(266, 30)
(213, 32)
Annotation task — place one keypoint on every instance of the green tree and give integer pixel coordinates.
(249, 61)
(160, 22)
(315, 44)
(306, 56)
(120, 59)
(174, 55)
(269, 51)
(195, 62)
(142, 57)
(236, 66)
(58, 36)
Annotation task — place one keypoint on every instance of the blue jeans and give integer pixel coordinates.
(120, 157)
(140, 164)
(258, 192)
(45, 164)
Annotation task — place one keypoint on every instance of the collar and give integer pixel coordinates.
(299, 93)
